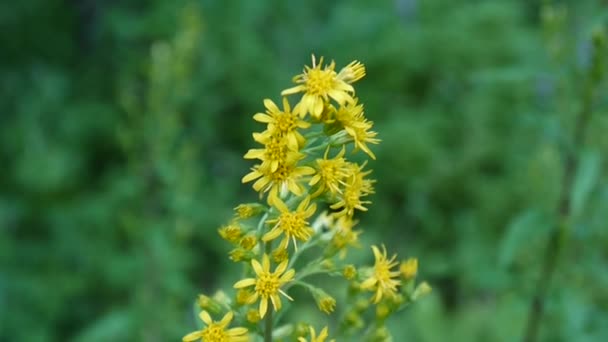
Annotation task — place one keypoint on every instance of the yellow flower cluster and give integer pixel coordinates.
(309, 194)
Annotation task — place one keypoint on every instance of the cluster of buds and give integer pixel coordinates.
(304, 223)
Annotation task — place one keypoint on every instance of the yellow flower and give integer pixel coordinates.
(421, 290)
(292, 224)
(285, 179)
(330, 173)
(409, 268)
(319, 84)
(349, 272)
(284, 123)
(267, 284)
(344, 235)
(353, 72)
(313, 336)
(279, 255)
(248, 242)
(253, 316)
(356, 186)
(382, 279)
(351, 117)
(216, 331)
(325, 302)
(242, 296)
(245, 211)
(231, 232)
(275, 152)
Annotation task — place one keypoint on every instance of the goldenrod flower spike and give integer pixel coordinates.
(382, 279)
(267, 284)
(320, 84)
(292, 224)
(216, 331)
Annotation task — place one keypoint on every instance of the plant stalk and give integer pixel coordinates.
(556, 242)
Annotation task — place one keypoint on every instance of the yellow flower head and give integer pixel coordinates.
(356, 186)
(275, 152)
(349, 272)
(325, 302)
(231, 232)
(248, 242)
(353, 72)
(216, 331)
(330, 173)
(283, 124)
(351, 117)
(267, 284)
(285, 179)
(319, 84)
(382, 280)
(292, 224)
(245, 211)
(409, 268)
(313, 336)
(344, 235)
(279, 255)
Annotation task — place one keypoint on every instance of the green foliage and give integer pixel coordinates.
(123, 125)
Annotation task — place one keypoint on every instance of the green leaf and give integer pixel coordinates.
(586, 178)
(521, 231)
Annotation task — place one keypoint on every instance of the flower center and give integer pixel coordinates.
(292, 224)
(214, 333)
(286, 122)
(319, 82)
(382, 271)
(267, 284)
(275, 150)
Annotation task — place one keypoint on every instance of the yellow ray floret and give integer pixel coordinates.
(216, 331)
(383, 280)
(267, 284)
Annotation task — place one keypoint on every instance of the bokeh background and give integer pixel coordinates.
(123, 125)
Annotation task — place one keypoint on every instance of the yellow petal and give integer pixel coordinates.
(226, 319)
(244, 283)
(204, 316)
(266, 263)
(257, 267)
(293, 90)
(193, 336)
(281, 268)
(271, 106)
(271, 235)
(263, 118)
(263, 307)
(251, 176)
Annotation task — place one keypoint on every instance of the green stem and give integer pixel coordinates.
(556, 242)
(268, 325)
(268, 318)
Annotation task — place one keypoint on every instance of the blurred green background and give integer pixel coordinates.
(123, 125)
